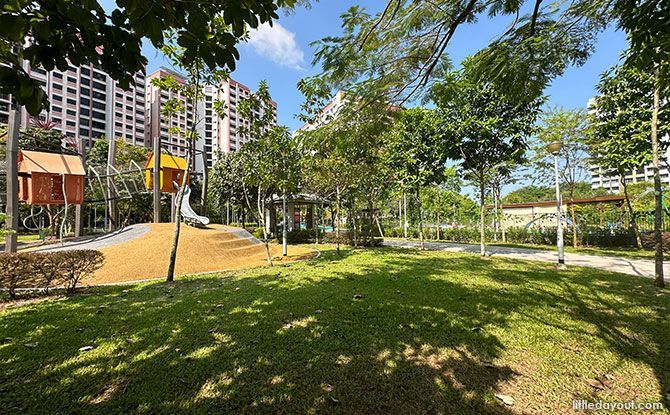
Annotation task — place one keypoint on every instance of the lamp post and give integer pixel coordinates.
(554, 148)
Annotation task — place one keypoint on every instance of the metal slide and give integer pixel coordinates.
(188, 213)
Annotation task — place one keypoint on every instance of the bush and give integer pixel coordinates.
(648, 241)
(346, 237)
(45, 270)
(79, 264)
(256, 232)
(299, 236)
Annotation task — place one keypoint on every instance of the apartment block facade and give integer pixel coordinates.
(160, 125)
(86, 103)
(612, 183)
(329, 112)
(216, 132)
(601, 178)
(223, 133)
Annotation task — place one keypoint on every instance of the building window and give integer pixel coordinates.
(85, 101)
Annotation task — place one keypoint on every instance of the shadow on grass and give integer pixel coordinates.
(371, 331)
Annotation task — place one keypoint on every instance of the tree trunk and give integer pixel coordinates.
(261, 223)
(503, 225)
(575, 242)
(205, 184)
(482, 218)
(437, 231)
(658, 191)
(177, 222)
(317, 223)
(284, 231)
(336, 219)
(418, 204)
(494, 193)
(404, 204)
(631, 213)
(353, 221)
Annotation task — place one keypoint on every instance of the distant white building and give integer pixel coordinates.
(600, 178)
(329, 112)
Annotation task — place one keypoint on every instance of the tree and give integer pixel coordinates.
(190, 93)
(265, 160)
(80, 32)
(225, 189)
(264, 156)
(622, 124)
(646, 23)
(416, 153)
(402, 50)
(572, 129)
(486, 130)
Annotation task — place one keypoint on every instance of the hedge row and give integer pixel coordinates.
(596, 237)
(46, 270)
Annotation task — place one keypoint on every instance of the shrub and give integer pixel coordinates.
(346, 237)
(648, 241)
(13, 267)
(78, 264)
(299, 236)
(44, 270)
(257, 232)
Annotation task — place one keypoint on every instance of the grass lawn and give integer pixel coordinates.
(372, 331)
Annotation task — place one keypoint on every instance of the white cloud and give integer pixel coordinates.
(277, 44)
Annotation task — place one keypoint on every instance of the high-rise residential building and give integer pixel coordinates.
(217, 133)
(601, 178)
(329, 112)
(86, 103)
(223, 133)
(166, 127)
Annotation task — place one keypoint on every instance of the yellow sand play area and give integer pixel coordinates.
(200, 250)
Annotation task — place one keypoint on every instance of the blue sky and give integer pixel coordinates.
(282, 55)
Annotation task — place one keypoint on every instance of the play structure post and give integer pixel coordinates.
(12, 208)
(78, 210)
(205, 183)
(111, 204)
(157, 179)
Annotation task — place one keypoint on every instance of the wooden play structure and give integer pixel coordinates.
(50, 179)
(171, 171)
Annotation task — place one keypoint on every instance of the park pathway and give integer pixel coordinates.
(638, 267)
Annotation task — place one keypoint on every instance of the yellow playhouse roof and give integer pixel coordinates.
(167, 161)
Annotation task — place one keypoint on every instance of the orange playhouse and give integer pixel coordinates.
(50, 179)
(172, 170)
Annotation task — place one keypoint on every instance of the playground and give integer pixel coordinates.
(141, 252)
(54, 191)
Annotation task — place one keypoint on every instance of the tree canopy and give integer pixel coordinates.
(55, 34)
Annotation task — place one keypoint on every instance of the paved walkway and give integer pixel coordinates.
(100, 241)
(638, 267)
